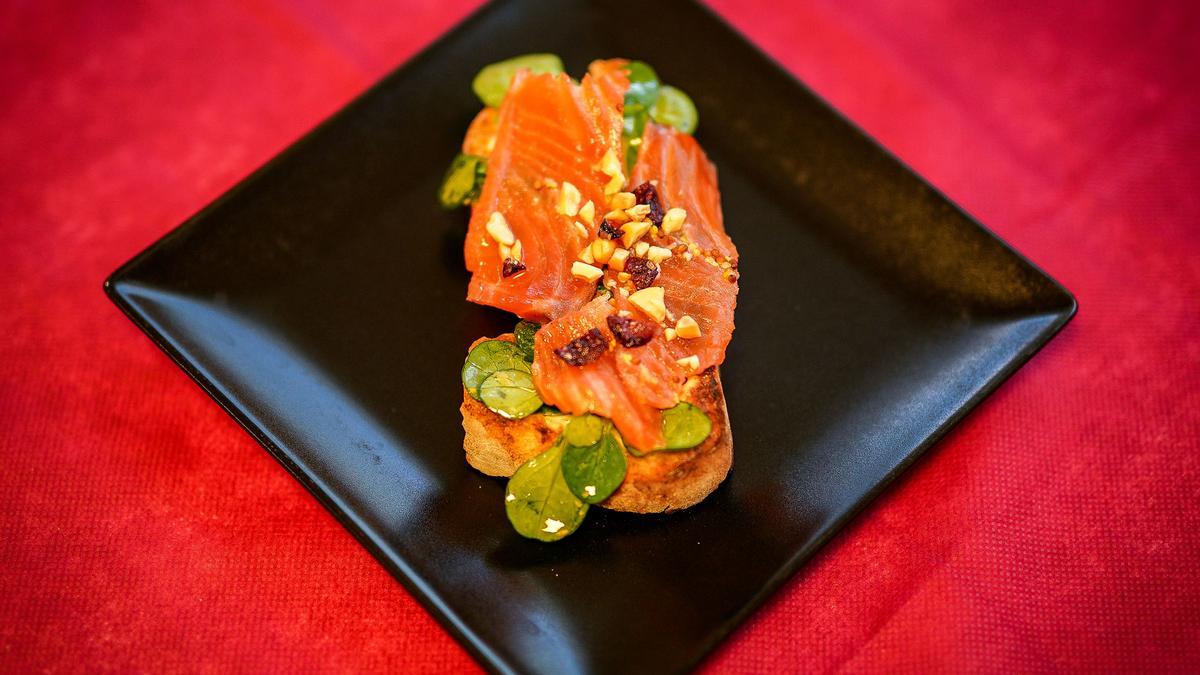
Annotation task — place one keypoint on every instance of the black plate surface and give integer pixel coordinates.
(321, 303)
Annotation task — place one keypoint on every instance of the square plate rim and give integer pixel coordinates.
(445, 616)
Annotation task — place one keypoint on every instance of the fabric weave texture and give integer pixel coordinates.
(1056, 528)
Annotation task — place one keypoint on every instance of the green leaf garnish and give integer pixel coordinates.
(685, 426)
(510, 393)
(491, 84)
(639, 99)
(488, 357)
(538, 502)
(524, 333)
(463, 181)
(593, 471)
(584, 430)
(674, 108)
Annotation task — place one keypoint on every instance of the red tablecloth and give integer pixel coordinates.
(1057, 528)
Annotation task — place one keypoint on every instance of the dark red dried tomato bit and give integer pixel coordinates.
(511, 267)
(646, 193)
(630, 332)
(608, 230)
(583, 349)
(642, 272)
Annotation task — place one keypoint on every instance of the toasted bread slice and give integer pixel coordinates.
(656, 483)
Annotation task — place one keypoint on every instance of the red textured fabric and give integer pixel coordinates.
(1057, 528)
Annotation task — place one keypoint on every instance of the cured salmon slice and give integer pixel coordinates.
(685, 179)
(548, 132)
(630, 386)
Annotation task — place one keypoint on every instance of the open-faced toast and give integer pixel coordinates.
(655, 483)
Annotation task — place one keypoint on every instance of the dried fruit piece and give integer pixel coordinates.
(641, 271)
(583, 349)
(608, 230)
(647, 194)
(630, 332)
(512, 267)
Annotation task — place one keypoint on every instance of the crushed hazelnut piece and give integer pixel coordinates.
(617, 217)
(673, 220)
(581, 229)
(602, 249)
(587, 212)
(617, 260)
(622, 201)
(641, 249)
(658, 253)
(639, 212)
(498, 229)
(650, 300)
(633, 232)
(586, 255)
(669, 333)
(623, 276)
(517, 251)
(585, 271)
(568, 199)
(690, 362)
(687, 327)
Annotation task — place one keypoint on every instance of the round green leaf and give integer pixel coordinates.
(593, 472)
(674, 108)
(538, 502)
(488, 357)
(510, 393)
(685, 426)
(524, 333)
(492, 82)
(584, 430)
(463, 181)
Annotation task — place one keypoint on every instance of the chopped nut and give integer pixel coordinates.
(658, 253)
(686, 327)
(623, 276)
(609, 164)
(602, 249)
(726, 265)
(568, 199)
(650, 300)
(585, 271)
(614, 184)
(617, 260)
(517, 251)
(498, 229)
(687, 255)
(586, 255)
(587, 212)
(581, 229)
(690, 362)
(641, 249)
(624, 292)
(633, 232)
(639, 212)
(669, 333)
(546, 183)
(617, 217)
(673, 220)
(622, 201)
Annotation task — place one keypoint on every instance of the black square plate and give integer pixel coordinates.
(321, 302)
